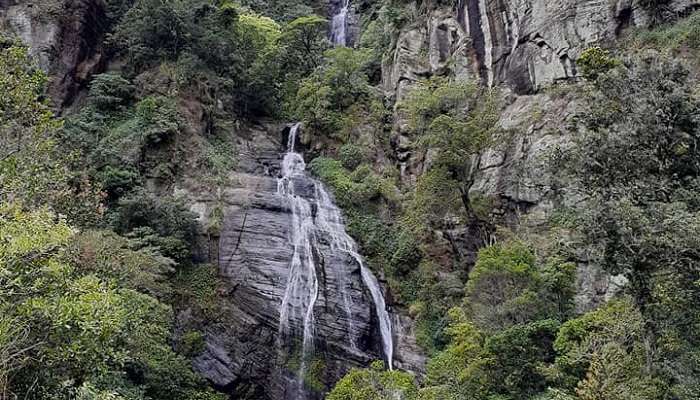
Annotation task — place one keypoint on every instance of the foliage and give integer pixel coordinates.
(435, 202)
(351, 189)
(230, 55)
(433, 98)
(154, 221)
(602, 354)
(32, 169)
(159, 119)
(519, 355)
(339, 84)
(640, 215)
(196, 286)
(192, 343)
(75, 328)
(121, 141)
(683, 34)
(500, 287)
(374, 384)
(129, 264)
(456, 120)
(506, 287)
(351, 156)
(595, 61)
(110, 92)
(304, 41)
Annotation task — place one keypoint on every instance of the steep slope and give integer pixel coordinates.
(303, 311)
(65, 38)
(527, 48)
(298, 307)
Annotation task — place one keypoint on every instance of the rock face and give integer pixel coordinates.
(65, 36)
(523, 47)
(254, 354)
(525, 44)
(344, 22)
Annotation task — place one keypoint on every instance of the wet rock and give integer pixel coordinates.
(243, 354)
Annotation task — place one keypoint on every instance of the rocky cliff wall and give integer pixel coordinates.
(242, 353)
(527, 48)
(66, 38)
(525, 44)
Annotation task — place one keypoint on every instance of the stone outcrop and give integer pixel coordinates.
(66, 38)
(525, 44)
(243, 355)
(524, 47)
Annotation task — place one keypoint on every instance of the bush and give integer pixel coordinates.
(85, 326)
(159, 118)
(595, 61)
(170, 225)
(117, 181)
(192, 344)
(407, 254)
(351, 156)
(374, 383)
(110, 92)
(196, 286)
(506, 287)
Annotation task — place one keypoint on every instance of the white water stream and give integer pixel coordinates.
(302, 287)
(339, 25)
(301, 291)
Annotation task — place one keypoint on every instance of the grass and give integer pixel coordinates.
(681, 35)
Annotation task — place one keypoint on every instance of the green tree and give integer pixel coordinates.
(636, 165)
(374, 384)
(71, 328)
(507, 287)
(33, 170)
(304, 41)
(601, 355)
(456, 119)
(327, 96)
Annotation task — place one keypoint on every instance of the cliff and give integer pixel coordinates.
(270, 314)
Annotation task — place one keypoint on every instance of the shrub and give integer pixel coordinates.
(507, 287)
(158, 117)
(110, 92)
(351, 156)
(595, 61)
(171, 226)
(374, 383)
(519, 354)
(407, 254)
(192, 344)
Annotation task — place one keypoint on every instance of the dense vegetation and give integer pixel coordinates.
(512, 332)
(83, 312)
(96, 253)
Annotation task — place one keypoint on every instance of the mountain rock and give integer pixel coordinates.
(66, 38)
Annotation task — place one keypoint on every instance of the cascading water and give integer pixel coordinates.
(339, 25)
(302, 288)
(330, 221)
(301, 291)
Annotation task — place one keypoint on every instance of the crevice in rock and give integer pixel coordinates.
(477, 35)
(624, 20)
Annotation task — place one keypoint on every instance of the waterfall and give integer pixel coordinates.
(302, 287)
(339, 25)
(301, 291)
(331, 222)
